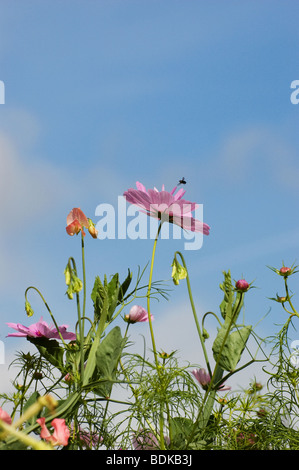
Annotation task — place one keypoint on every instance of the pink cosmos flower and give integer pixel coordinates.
(76, 221)
(4, 416)
(204, 379)
(61, 432)
(41, 329)
(137, 314)
(166, 206)
(147, 441)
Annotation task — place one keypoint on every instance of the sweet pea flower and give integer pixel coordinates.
(4, 416)
(76, 221)
(166, 206)
(60, 435)
(137, 314)
(41, 329)
(204, 379)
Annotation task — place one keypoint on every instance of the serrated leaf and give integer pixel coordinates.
(231, 351)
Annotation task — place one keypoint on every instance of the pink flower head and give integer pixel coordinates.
(41, 329)
(147, 441)
(61, 432)
(166, 206)
(204, 379)
(242, 285)
(137, 314)
(76, 220)
(4, 416)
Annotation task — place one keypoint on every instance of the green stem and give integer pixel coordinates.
(204, 412)
(161, 419)
(202, 341)
(84, 279)
(288, 297)
(48, 308)
(148, 297)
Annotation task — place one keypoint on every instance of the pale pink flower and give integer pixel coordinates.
(4, 416)
(137, 314)
(147, 441)
(204, 379)
(76, 221)
(41, 329)
(61, 432)
(166, 206)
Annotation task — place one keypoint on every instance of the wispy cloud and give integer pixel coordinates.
(258, 150)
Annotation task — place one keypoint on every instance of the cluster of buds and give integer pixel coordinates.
(178, 272)
(74, 284)
(285, 272)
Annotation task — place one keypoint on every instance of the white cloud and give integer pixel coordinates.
(248, 151)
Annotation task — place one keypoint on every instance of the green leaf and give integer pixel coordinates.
(231, 351)
(232, 302)
(98, 296)
(124, 287)
(181, 428)
(91, 361)
(107, 358)
(50, 350)
(113, 292)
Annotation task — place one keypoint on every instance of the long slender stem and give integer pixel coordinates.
(82, 317)
(288, 297)
(195, 314)
(84, 279)
(161, 420)
(148, 296)
(208, 400)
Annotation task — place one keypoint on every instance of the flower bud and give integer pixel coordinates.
(77, 285)
(92, 230)
(242, 285)
(28, 309)
(285, 271)
(178, 272)
(67, 275)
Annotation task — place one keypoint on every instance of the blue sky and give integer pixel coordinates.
(101, 94)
